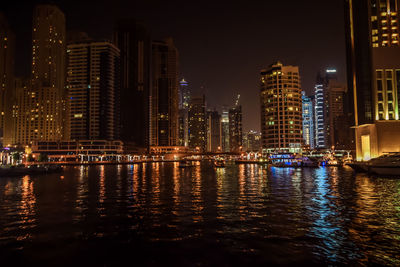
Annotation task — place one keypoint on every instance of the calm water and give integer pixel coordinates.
(160, 214)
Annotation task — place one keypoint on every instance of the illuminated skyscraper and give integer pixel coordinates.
(235, 128)
(373, 72)
(373, 59)
(213, 131)
(225, 129)
(308, 121)
(48, 109)
(281, 108)
(93, 83)
(134, 44)
(7, 89)
(184, 99)
(164, 94)
(197, 123)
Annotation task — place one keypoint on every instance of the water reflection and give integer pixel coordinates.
(252, 213)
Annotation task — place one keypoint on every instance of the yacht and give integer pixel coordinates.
(388, 164)
(219, 163)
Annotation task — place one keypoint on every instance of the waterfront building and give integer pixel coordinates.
(213, 131)
(373, 71)
(335, 120)
(7, 88)
(251, 141)
(164, 94)
(308, 120)
(93, 85)
(281, 109)
(184, 99)
(235, 128)
(197, 123)
(44, 119)
(47, 90)
(134, 44)
(225, 129)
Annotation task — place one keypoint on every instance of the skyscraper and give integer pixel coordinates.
(164, 94)
(235, 128)
(308, 120)
(197, 123)
(184, 99)
(373, 71)
(213, 131)
(225, 129)
(373, 59)
(134, 44)
(281, 108)
(93, 85)
(48, 109)
(7, 89)
(335, 120)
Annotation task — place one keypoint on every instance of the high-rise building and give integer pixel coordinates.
(164, 94)
(373, 59)
(335, 120)
(7, 89)
(22, 112)
(281, 108)
(308, 120)
(225, 129)
(134, 44)
(93, 86)
(48, 108)
(252, 141)
(213, 131)
(184, 99)
(235, 128)
(197, 123)
(373, 72)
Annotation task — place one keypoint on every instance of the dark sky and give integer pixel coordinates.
(222, 45)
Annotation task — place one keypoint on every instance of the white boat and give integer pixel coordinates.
(388, 164)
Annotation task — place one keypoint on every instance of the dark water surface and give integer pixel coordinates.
(160, 214)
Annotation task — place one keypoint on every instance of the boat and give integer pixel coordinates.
(387, 164)
(285, 160)
(219, 163)
(307, 162)
(184, 163)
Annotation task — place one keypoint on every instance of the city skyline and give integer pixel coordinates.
(213, 59)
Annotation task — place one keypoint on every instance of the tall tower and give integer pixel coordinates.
(225, 129)
(197, 123)
(373, 59)
(48, 74)
(213, 131)
(134, 44)
(93, 84)
(281, 108)
(184, 99)
(235, 128)
(7, 89)
(164, 94)
(308, 120)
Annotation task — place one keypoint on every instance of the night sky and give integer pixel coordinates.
(222, 46)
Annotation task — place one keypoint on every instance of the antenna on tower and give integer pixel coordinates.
(237, 100)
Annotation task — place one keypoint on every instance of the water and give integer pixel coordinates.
(160, 214)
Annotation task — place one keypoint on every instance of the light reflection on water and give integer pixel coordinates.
(240, 213)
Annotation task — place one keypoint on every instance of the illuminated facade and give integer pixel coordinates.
(308, 120)
(251, 141)
(225, 129)
(213, 131)
(281, 108)
(134, 44)
(184, 99)
(47, 109)
(373, 64)
(235, 129)
(7, 88)
(197, 124)
(93, 84)
(164, 94)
